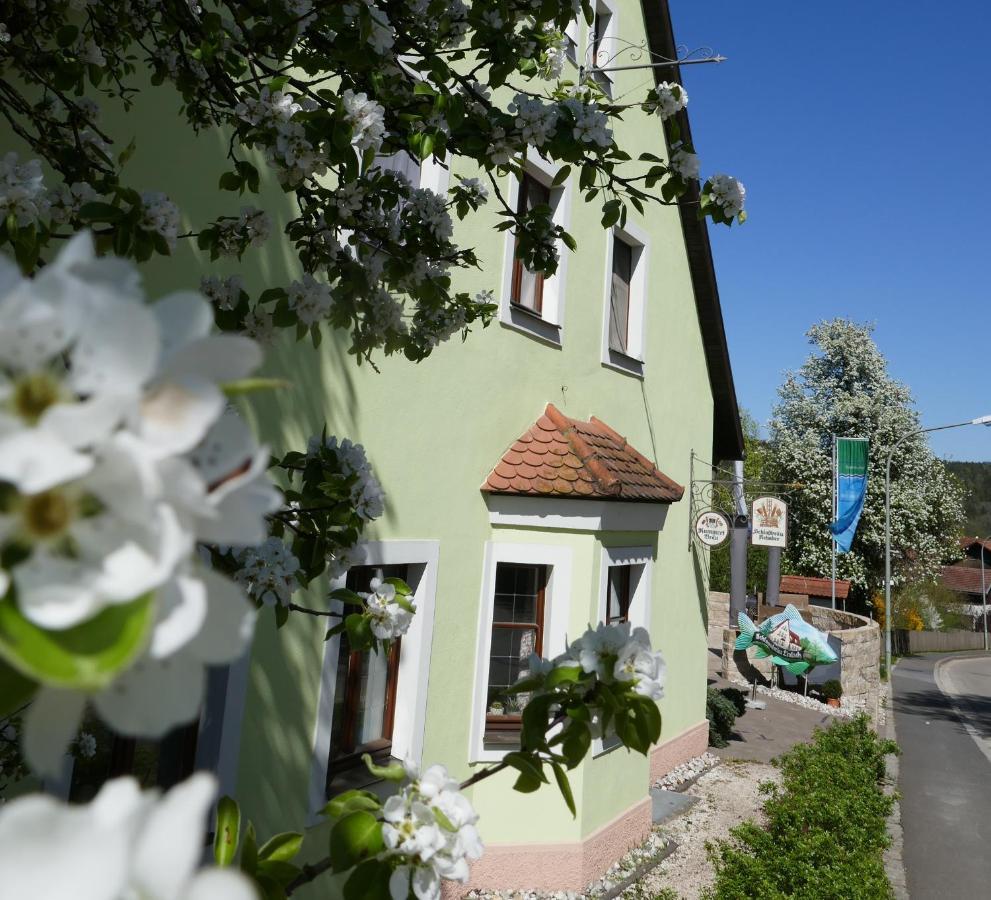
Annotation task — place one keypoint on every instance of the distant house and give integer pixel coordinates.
(967, 580)
(818, 590)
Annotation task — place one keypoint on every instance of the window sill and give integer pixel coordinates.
(521, 319)
(622, 362)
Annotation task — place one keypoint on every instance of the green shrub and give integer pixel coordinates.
(825, 831)
(737, 697)
(721, 713)
(831, 690)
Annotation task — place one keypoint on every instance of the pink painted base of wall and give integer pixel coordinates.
(571, 866)
(691, 742)
(560, 867)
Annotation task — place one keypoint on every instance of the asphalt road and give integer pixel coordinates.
(942, 709)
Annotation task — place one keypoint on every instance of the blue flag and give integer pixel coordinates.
(851, 489)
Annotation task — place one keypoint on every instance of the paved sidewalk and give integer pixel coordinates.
(762, 734)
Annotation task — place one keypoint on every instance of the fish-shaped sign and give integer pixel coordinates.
(788, 639)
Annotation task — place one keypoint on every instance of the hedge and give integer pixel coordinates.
(826, 825)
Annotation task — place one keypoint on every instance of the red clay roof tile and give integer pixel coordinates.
(568, 457)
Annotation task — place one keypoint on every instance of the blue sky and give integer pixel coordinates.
(862, 132)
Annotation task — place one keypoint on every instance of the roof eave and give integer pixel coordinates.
(727, 430)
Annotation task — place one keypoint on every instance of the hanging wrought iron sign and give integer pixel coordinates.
(712, 528)
(769, 522)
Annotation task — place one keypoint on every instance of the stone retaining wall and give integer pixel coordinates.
(718, 609)
(860, 657)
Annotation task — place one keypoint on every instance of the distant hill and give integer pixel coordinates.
(976, 478)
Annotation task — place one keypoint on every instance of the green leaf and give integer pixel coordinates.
(354, 839)
(562, 176)
(563, 674)
(253, 385)
(351, 801)
(15, 689)
(359, 632)
(577, 738)
(249, 851)
(369, 881)
(230, 181)
(527, 784)
(227, 831)
(282, 847)
(393, 772)
(527, 763)
(562, 782)
(100, 212)
(278, 870)
(85, 657)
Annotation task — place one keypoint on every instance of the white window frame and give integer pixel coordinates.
(557, 601)
(548, 325)
(632, 362)
(573, 32)
(414, 662)
(639, 611)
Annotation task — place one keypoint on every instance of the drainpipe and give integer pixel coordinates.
(739, 539)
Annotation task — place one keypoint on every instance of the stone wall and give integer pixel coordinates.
(860, 657)
(861, 640)
(718, 609)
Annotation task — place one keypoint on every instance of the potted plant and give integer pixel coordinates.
(496, 708)
(832, 690)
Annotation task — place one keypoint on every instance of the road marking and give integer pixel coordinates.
(945, 683)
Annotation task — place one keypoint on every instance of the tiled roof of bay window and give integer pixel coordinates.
(563, 457)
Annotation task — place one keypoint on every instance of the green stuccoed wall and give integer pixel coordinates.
(433, 431)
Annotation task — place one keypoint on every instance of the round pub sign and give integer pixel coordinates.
(712, 528)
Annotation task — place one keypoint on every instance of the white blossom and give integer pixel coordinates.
(388, 619)
(65, 201)
(671, 99)
(22, 192)
(310, 299)
(366, 493)
(268, 572)
(250, 229)
(476, 191)
(367, 120)
(124, 844)
(728, 193)
(118, 456)
(685, 164)
(427, 850)
(258, 326)
(268, 109)
(591, 124)
(224, 292)
(535, 119)
(161, 215)
(86, 744)
(430, 208)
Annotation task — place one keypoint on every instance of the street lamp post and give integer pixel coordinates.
(982, 420)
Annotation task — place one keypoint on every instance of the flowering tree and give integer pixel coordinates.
(140, 526)
(844, 388)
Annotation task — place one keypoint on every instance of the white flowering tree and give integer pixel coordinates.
(844, 388)
(141, 525)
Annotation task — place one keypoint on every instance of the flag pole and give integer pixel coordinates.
(834, 519)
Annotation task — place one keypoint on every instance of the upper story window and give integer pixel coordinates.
(602, 41)
(624, 318)
(571, 41)
(619, 300)
(527, 286)
(533, 302)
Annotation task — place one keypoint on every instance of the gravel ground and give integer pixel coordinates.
(727, 795)
(687, 771)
